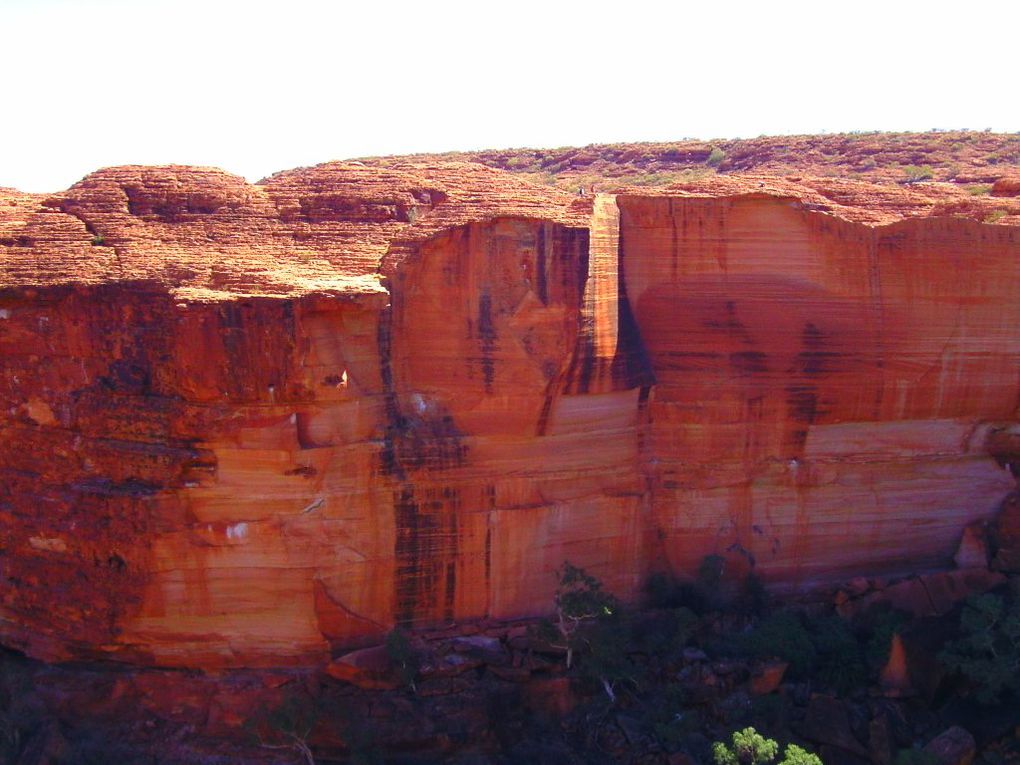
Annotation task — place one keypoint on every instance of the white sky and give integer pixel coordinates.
(255, 87)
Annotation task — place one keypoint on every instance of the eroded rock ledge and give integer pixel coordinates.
(245, 424)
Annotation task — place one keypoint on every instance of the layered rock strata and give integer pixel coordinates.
(245, 425)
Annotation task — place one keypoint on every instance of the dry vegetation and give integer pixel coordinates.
(968, 158)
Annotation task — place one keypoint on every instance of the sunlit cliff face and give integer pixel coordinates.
(246, 425)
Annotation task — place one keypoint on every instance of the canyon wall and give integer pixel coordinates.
(824, 390)
(247, 425)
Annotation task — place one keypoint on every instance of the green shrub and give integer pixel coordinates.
(795, 755)
(825, 648)
(592, 625)
(915, 174)
(700, 596)
(288, 726)
(716, 158)
(781, 636)
(710, 571)
(879, 640)
(579, 596)
(840, 662)
(665, 632)
(671, 720)
(651, 179)
(979, 190)
(661, 590)
(98, 240)
(987, 652)
(754, 598)
(749, 747)
(604, 653)
(914, 757)
(769, 710)
(403, 656)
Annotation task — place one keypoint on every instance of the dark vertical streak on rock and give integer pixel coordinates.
(632, 367)
(487, 340)
(419, 440)
(451, 588)
(406, 553)
(552, 390)
(802, 398)
(384, 339)
(582, 363)
(490, 498)
(407, 518)
(541, 276)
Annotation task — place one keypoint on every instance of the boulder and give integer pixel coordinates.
(881, 747)
(972, 551)
(1006, 535)
(926, 595)
(477, 643)
(449, 665)
(954, 746)
(551, 696)
(768, 677)
(369, 669)
(46, 746)
(828, 722)
(895, 675)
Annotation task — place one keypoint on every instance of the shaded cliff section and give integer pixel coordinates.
(261, 480)
(824, 391)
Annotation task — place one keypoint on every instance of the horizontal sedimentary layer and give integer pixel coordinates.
(246, 425)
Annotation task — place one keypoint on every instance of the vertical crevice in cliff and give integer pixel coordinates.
(610, 355)
(543, 252)
(390, 464)
(590, 370)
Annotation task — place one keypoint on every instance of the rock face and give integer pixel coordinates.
(249, 424)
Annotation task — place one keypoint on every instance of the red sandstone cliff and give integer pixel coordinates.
(245, 424)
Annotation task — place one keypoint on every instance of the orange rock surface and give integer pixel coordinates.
(246, 425)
